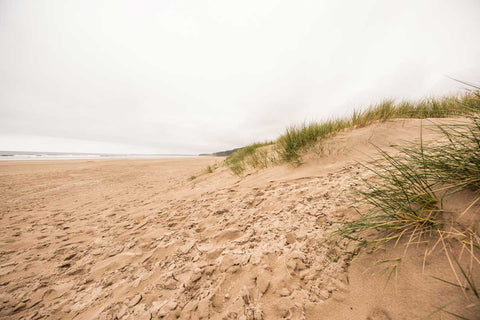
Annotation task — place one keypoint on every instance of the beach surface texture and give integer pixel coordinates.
(163, 239)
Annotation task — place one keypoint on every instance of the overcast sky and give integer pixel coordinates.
(191, 76)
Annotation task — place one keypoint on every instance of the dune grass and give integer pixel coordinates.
(405, 199)
(406, 193)
(470, 296)
(248, 156)
(207, 170)
(456, 163)
(402, 202)
(300, 138)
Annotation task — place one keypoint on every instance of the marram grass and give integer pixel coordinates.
(249, 155)
(405, 195)
(404, 199)
(401, 201)
(298, 139)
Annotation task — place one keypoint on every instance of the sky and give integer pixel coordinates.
(198, 76)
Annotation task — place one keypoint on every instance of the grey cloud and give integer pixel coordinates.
(201, 76)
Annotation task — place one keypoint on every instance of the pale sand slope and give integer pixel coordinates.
(135, 239)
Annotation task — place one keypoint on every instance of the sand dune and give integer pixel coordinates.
(136, 239)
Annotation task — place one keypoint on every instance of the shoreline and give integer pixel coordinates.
(94, 157)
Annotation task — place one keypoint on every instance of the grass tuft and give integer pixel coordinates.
(402, 202)
(405, 195)
(209, 169)
(251, 155)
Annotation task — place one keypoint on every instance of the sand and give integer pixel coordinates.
(137, 239)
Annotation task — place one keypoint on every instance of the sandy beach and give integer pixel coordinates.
(137, 239)
(239, 160)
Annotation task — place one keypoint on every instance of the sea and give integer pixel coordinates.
(30, 155)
